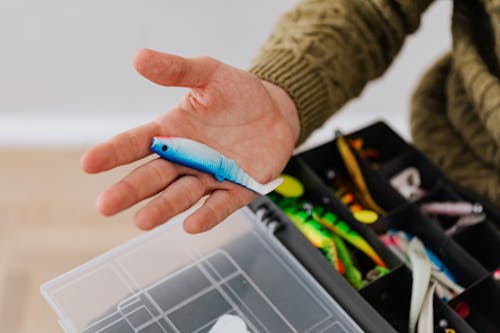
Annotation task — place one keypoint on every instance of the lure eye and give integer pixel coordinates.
(164, 148)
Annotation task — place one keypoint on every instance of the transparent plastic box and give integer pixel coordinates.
(170, 281)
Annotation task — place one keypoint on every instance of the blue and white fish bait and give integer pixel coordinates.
(201, 157)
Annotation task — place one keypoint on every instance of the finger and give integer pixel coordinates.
(174, 71)
(124, 148)
(216, 208)
(176, 198)
(143, 182)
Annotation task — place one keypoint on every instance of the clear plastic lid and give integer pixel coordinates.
(169, 281)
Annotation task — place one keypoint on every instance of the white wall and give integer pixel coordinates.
(66, 76)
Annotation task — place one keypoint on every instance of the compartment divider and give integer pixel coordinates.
(390, 296)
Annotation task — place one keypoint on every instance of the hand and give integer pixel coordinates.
(248, 120)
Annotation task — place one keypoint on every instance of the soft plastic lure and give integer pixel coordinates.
(339, 227)
(398, 243)
(352, 274)
(291, 187)
(317, 235)
(356, 174)
(464, 222)
(450, 208)
(421, 275)
(329, 221)
(201, 157)
(426, 318)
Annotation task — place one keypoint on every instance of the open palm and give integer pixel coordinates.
(250, 121)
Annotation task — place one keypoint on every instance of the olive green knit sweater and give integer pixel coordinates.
(323, 52)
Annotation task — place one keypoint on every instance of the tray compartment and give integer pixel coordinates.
(390, 296)
(482, 241)
(384, 140)
(463, 266)
(453, 320)
(480, 305)
(325, 159)
(319, 194)
(430, 175)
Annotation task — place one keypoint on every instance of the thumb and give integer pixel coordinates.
(174, 71)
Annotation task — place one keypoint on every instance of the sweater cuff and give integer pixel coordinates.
(302, 83)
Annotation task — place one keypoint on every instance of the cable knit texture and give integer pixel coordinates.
(323, 52)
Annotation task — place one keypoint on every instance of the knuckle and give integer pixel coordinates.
(210, 63)
(159, 171)
(188, 189)
(212, 217)
(162, 207)
(208, 60)
(207, 182)
(177, 71)
(127, 187)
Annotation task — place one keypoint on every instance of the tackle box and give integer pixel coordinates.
(260, 270)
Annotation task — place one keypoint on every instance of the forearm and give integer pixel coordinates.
(323, 52)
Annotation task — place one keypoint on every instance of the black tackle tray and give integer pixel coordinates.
(472, 255)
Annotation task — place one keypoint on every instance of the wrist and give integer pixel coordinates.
(286, 106)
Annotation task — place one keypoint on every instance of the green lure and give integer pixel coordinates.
(338, 227)
(351, 273)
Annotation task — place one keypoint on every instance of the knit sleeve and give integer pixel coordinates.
(323, 52)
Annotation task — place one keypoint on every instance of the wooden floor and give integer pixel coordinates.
(48, 225)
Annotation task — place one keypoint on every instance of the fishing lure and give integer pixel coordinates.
(371, 154)
(421, 275)
(398, 242)
(358, 211)
(458, 208)
(376, 272)
(464, 222)
(201, 157)
(356, 174)
(329, 221)
(338, 227)
(291, 187)
(299, 212)
(316, 234)
(351, 273)
(439, 266)
(426, 317)
(408, 183)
